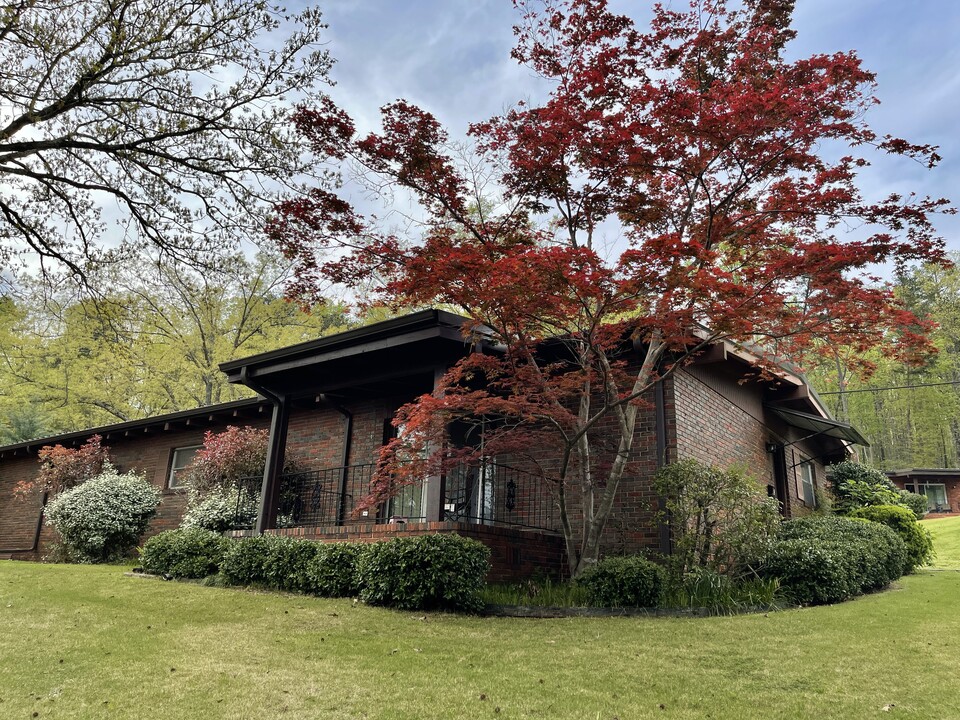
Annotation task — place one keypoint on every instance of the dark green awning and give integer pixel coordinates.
(819, 425)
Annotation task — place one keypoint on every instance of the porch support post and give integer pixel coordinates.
(660, 425)
(273, 468)
(435, 491)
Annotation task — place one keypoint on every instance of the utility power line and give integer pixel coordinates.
(892, 387)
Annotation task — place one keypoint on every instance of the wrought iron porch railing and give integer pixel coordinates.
(486, 494)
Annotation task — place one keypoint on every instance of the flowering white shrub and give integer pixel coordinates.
(222, 509)
(102, 519)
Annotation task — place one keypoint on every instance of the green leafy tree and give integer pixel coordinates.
(173, 115)
(909, 412)
(153, 345)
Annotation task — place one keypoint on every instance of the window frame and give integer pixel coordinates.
(806, 467)
(173, 470)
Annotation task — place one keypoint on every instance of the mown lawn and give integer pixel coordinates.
(89, 642)
(946, 541)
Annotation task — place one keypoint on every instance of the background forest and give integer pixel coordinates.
(148, 343)
(911, 415)
(152, 341)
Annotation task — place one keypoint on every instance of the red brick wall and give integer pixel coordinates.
(710, 417)
(314, 437)
(147, 453)
(723, 422)
(18, 518)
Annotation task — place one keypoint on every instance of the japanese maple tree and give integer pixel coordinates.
(237, 452)
(62, 468)
(707, 151)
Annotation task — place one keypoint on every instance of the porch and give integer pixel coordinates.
(488, 494)
(507, 509)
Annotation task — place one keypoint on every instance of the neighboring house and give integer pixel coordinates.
(940, 485)
(330, 403)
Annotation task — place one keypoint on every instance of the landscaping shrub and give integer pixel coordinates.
(184, 553)
(102, 519)
(918, 504)
(854, 485)
(720, 520)
(916, 538)
(424, 572)
(222, 509)
(812, 573)
(630, 581)
(273, 561)
(332, 571)
(828, 559)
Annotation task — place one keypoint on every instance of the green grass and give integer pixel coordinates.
(536, 593)
(946, 541)
(89, 642)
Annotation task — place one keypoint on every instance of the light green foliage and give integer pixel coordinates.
(719, 519)
(855, 485)
(424, 572)
(624, 582)
(150, 345)
(907, 428)
(901, 520)
(102, 519)
(184, 553)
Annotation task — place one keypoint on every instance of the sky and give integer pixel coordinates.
(452, 57)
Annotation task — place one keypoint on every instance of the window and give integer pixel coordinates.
(936, 494)
(408, 503)
(179, 459)
(808, 480)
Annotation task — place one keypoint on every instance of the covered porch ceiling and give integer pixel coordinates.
(391, 357)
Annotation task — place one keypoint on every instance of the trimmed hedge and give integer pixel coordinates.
(411, 573)
(919, 543)
(424, 572)
(333, 570)
(631, 581)
(273, 561)
(184, 553)
(828, 559)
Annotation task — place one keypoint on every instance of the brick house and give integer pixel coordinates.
(940, 485)
(330, 403)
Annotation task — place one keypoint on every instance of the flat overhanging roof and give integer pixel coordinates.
(399, 355)
(819, 425)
